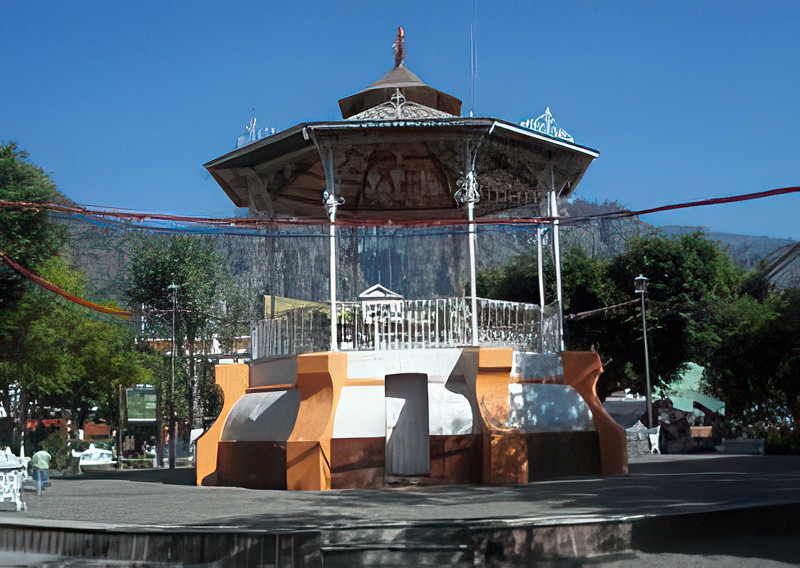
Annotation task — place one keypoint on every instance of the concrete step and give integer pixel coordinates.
(406, 534)
(363, 556)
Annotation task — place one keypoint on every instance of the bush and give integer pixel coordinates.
(60, 454)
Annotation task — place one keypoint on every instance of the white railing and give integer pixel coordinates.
(302, 330)
(407, 324)
(404, 324)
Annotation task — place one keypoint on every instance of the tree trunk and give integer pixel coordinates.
(191, 340)
(23, 417)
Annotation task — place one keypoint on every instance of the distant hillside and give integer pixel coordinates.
(745, 250)
(783, 266)
(416, 264)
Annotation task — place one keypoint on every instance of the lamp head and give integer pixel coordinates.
(640, 284)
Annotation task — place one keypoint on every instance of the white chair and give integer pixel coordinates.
(654, 437)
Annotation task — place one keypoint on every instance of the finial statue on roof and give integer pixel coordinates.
(399, 48)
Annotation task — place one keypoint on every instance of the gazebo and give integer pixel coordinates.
(388, 389)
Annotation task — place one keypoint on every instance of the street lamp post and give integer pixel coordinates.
(174, 289)
(640, 285)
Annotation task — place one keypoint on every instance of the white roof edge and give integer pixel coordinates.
(304, 127)
(496, 123)
(378, 287)
(550, 139)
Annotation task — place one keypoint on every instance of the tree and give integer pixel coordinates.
(756, 366)
(63, 356)
(28, 236)
(688, 276)
(200, 271)
(59, 355)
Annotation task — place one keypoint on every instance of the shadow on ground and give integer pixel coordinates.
(178, 476)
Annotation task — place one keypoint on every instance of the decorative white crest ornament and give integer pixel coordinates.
(547, 125)
(398, 99)
(253, 134)
(398, 108)
(251, 129)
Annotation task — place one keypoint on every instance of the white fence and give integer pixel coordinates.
(406, 324)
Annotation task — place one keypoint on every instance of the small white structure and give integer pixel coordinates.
(13, 471)
(379, 295)
(94, 459)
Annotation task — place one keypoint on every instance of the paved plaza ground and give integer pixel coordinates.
(657, 485)
(688, 491)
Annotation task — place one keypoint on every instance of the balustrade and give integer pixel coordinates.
(408, 324)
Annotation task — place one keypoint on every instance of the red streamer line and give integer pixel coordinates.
(39, 281)
(401, 222)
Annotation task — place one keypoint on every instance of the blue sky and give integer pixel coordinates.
(123, 102)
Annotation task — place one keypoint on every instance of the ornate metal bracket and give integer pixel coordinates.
(468, 188)
(468, 191)
(332, 203)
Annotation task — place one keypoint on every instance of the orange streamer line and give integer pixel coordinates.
(39, 281)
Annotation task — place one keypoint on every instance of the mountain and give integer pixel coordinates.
(417, 264)
(745, 250)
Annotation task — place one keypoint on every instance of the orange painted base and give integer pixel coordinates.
(233, 380)
(312, 460)
(582, 370)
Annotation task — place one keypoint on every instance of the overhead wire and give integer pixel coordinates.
(120, 219)
(142, 217)
(586, 314)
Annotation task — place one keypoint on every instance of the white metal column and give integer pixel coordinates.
(468, 194)
(331, 205)
(540, 272)
(557, 256)
(473, 286)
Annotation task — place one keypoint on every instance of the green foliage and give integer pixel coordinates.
(62, 356)
(194, 264)
(688, 276)
(700, 307)
(756, 283)
(235, 311)
(517, 281)
(208, 303)
(27, 236)
(756, 366)
(685, 274)
(60, 454)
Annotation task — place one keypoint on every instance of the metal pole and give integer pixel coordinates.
(331, 205)
(334, 319)
(540, 270)
(557, 257)
(174, 288)
(468, 193)
(649, 398)
(473, 286)
(119, 432)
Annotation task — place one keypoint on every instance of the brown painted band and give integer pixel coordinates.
(270, 388)
(540, 381)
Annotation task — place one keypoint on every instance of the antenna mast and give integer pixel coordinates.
(473, 58)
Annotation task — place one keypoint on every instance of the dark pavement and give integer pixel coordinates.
(711, 507)
(657, 485)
